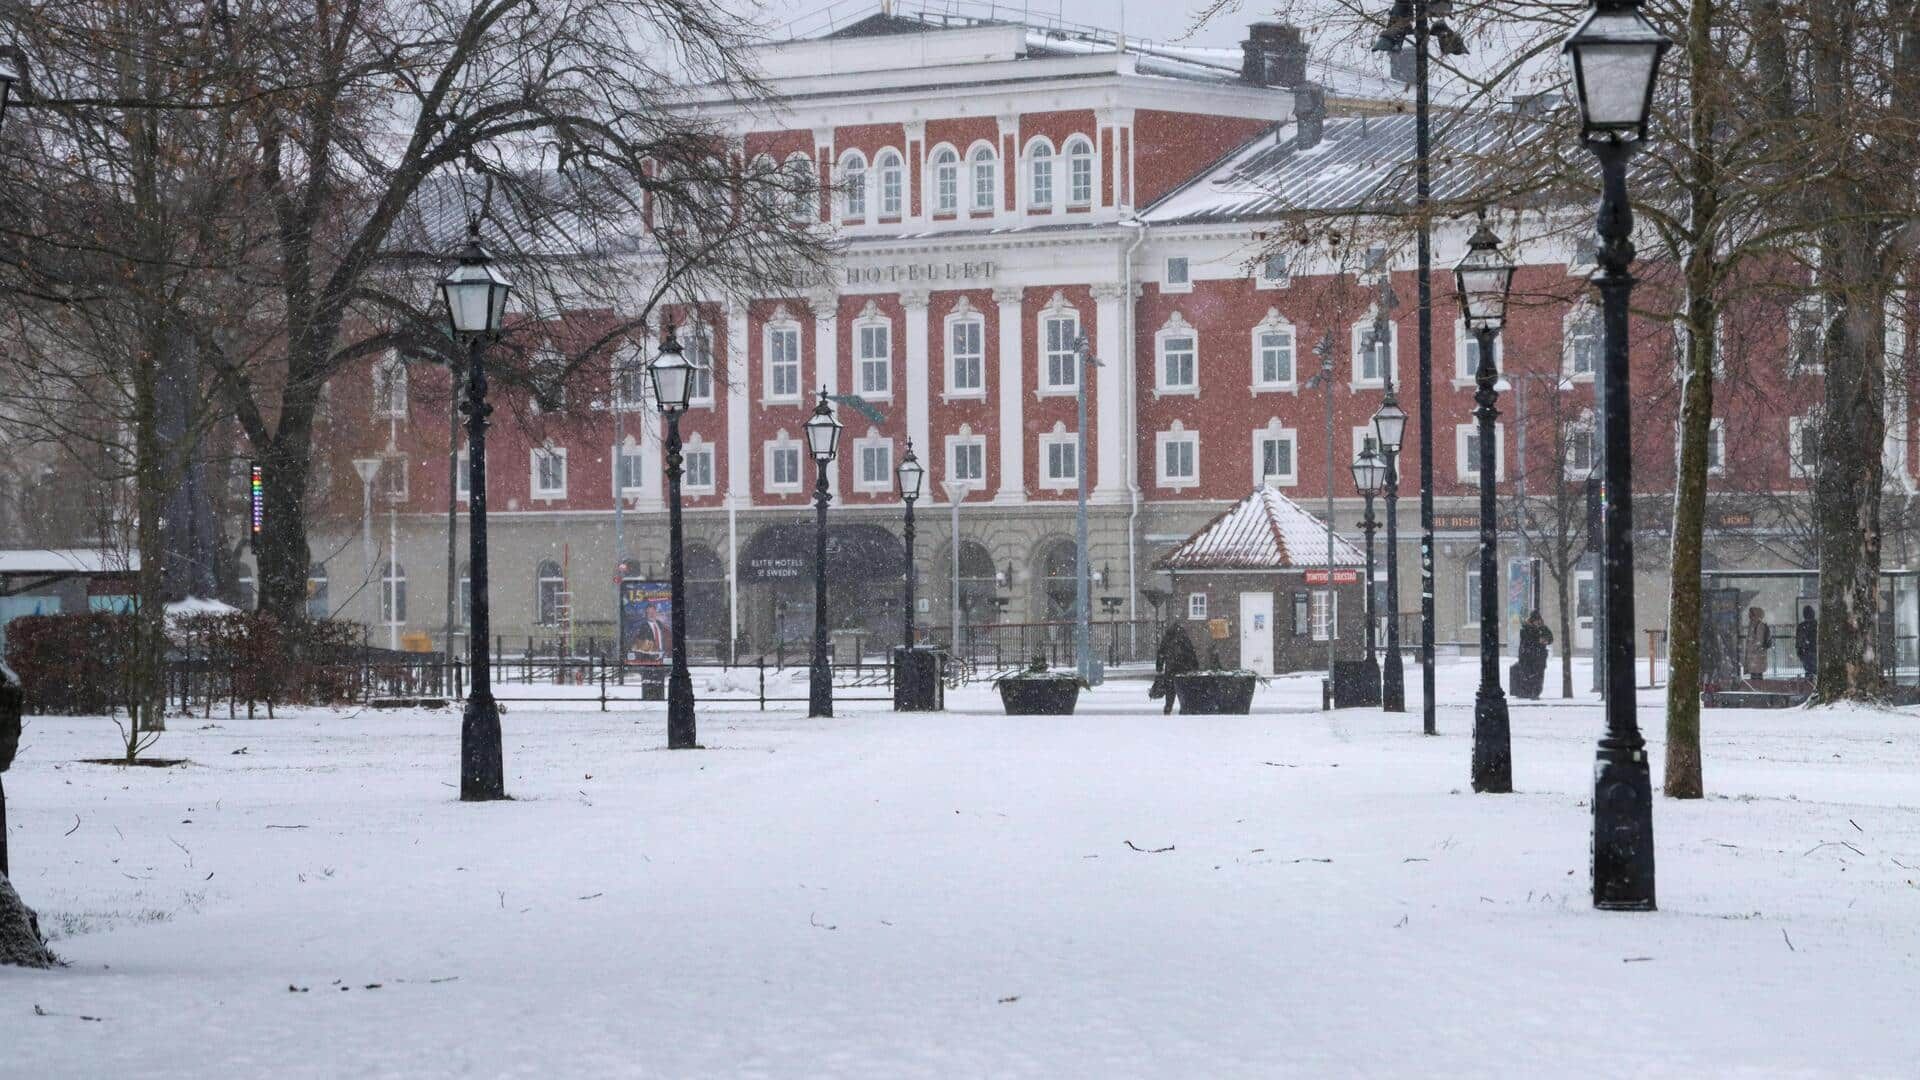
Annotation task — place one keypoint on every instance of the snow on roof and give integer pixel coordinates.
(199, 605)
(1361, 162)
(67, 561)
(1264, 531)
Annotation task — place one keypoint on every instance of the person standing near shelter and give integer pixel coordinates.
(1753, 653)
(1175, 656)
(1806, 635)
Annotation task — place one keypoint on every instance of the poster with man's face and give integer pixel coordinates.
(646, 622)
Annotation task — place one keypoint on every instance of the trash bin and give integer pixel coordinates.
(916, 680)
(1355, 683)
(653, 684)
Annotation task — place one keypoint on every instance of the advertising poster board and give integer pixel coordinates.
(646, 622)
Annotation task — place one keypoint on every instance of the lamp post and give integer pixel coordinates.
(1369, 475)
(672, 378)
(1390, 425)
(910, 474)
(1616, 57)
(476, 298)
(823, 438)
(369, 470)
(1483, 280)
(1424, 21)
(1084, 362)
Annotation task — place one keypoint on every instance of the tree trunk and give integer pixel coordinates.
(1683, 773)
(1566, 637)
(283, 556)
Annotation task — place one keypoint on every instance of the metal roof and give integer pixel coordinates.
(1264, 531)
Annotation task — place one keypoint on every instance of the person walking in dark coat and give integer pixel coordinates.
(1532, 669)
(1174, 657)
(1806, 636)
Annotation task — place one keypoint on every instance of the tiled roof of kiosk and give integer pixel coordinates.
(1264, 531)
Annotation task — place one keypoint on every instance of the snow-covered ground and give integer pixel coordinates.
(1113, 894)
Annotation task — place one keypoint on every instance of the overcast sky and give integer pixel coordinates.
(1158, 19)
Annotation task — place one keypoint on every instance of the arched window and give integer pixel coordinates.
(393, 593)
(1040, 175)
(853, 187)
(549, 593)
(946, 181)
(799, 185)
(984, 179)
(390, 387)
(893, 185)
(1079, 172)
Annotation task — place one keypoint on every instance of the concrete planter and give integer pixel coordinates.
(1215, 692)
(1039, 695)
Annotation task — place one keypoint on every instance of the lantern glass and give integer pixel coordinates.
(672, 376)
(475, 293)
(1369, 472)
(823, 431)
(1483, 279)
(1390, 423)
(1616, 55)
(911, 474)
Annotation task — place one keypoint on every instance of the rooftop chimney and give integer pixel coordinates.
(1273, 55)
(1309, 115)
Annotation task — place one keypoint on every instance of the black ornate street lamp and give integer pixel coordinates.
(1369, 475)
(475, 295)
(911, 475)
(1390, 426)
(672, 378)
(1616, 56)
(823, 439)
(1483, 280)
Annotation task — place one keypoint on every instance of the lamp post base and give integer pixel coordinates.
(1622, 828)
(1492, 743)
(680, 723)
(482, 772)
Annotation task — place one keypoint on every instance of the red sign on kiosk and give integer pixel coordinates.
(1340, 577)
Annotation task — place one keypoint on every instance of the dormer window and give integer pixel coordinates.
(892, 184)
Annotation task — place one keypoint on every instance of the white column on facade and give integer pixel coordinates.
(919, 418)
(826, 358)
(653, 458)
(1012, 382)
(739, 414)
(1111, 382)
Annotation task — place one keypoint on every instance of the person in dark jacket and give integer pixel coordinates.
(1174, 657)
(1532, 669)
(1806, 635)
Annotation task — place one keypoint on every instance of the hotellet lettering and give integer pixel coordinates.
(907, 273)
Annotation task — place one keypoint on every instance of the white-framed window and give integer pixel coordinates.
(1273, 272)
(873, 464)
(1079, 172)
(1374, 359)
(1466, 353)
(1059, 363)
(1581, 336)
(629, 378)
(1716, 448)
(893, 184)
(873, 356)
(800, 184)
(853, 187)
(1197, 607)
(1583, 448)
(1177, 457)
(318, 606)
(1059, 459)
(699, 353)
(696, 464)
(1274, 353)
(462, 476)
(1803, 445)
(1177, 357)
(549, 593)
(1806, 336)
(393, 593)
(946, 180)
(1040, 175)
(464, 612)
(966, 352)
(780, 348)
(983, 171)
(1177, 276)
(629, 470)
(1276, 455)
(1466, 444)
(549, 467)
(390, 387)
(967, 458)
(1473, 596)
(784, 472)
(1323, 614)
(393, 478)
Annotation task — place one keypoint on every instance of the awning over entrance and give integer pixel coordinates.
(856, 552)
